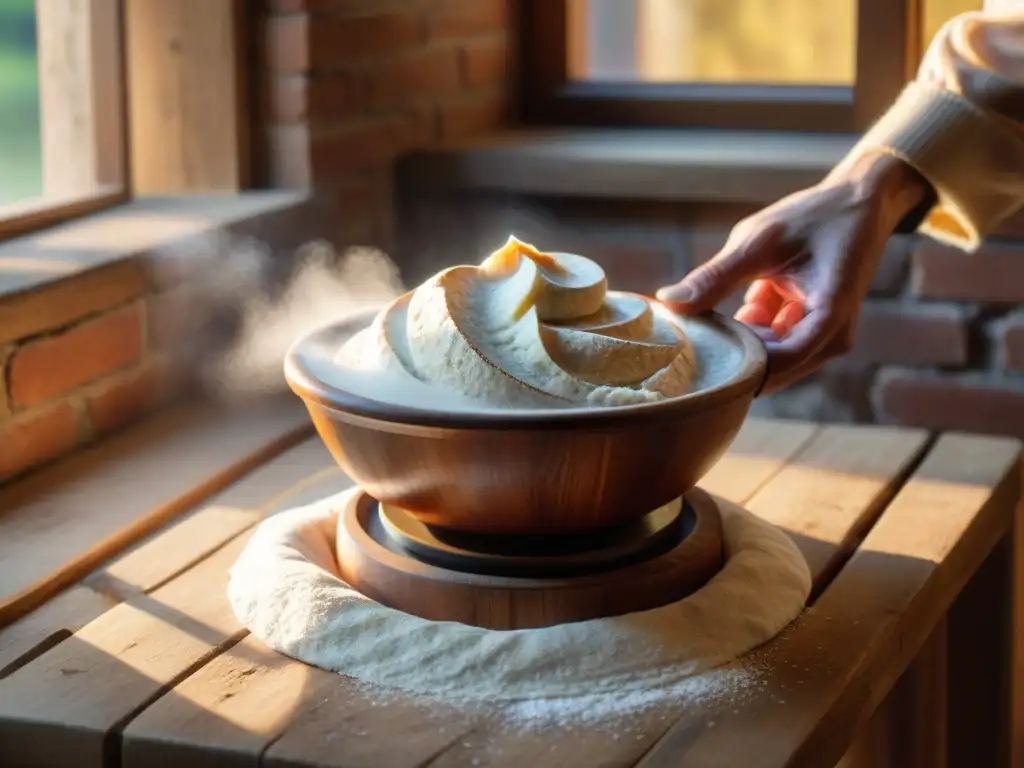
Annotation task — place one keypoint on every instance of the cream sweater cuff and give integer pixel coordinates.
(972, 159)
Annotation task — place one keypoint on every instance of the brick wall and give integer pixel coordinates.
(344, 87)
(85, 356)
(940, 343)
(352, 84)
(70, 380)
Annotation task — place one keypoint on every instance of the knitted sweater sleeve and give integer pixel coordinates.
(960, 123)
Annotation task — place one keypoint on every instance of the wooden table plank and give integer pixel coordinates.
(166, 553)
(48, 624)
(825, 488)
(62, 522)
(909, 729)
(60, 708)
(832, 494)
(761, 449)
(329, 720)
(132, 654)
(840, 661)
(240, 506)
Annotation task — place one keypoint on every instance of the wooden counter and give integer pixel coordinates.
(118, 647)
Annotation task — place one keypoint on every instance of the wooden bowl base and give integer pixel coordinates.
(385, 556)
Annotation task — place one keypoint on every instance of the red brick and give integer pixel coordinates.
(42, 369)
(38, 437)
(900, 333)
(465, 18)
(367, 143)
(466, 117)
(417, 75)
(1008, 335)
(891, 273)
(300, 42)
(329, 96)
(969, 402)
(992, 275)
(129, 395)
(485, 64)
(335, 42)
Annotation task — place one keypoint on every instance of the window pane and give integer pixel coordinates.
(782, 42)
(938, 12)
(21, 166)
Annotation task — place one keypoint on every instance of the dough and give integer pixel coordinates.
(285, 589)
(528, 329)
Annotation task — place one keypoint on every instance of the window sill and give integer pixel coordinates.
(56, 275)
(657, 165)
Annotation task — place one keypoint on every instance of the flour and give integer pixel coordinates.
(285, 589)
(527, 329)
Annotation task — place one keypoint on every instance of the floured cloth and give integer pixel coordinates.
(285, 588)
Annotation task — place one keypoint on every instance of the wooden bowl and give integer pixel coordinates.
(530, 471)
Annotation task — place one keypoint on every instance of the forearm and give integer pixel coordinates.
(959, 125)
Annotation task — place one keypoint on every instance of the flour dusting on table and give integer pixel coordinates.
(286, 590)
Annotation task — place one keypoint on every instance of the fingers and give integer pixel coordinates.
(812, 342)
(787, 317)
(717, 279)
(766, 305)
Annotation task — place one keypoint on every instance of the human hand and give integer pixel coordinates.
(809, 260)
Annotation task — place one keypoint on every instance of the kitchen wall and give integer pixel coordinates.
(353, 84)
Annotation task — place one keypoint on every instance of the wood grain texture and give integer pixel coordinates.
(48, 625)
(909, 729)
(1017, 633)
(527, 471)
(170, 551)
(187, 118)
(65, 707)
(293, 715)
(494, 602)
(223, 516)
(842, 658)
(824, 490)
(980, 666)
(831, 495)
(61, 523)
(81, 94)
(822, 679)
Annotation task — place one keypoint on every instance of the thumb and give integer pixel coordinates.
(718, 278)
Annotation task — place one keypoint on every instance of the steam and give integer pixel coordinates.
(246, 307)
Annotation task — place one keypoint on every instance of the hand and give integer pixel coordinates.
(809, 260)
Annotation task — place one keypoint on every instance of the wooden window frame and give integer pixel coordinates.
(108, 69)
(82, 118)
(885, 59)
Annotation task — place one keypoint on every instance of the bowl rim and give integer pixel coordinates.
(748, 378)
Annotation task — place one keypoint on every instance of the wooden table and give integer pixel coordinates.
(118, 647)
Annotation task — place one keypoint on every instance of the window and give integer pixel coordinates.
(769, 64)
(61, 110)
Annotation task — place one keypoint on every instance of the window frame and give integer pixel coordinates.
(129, 63)
(885, 60)
(81, 88)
